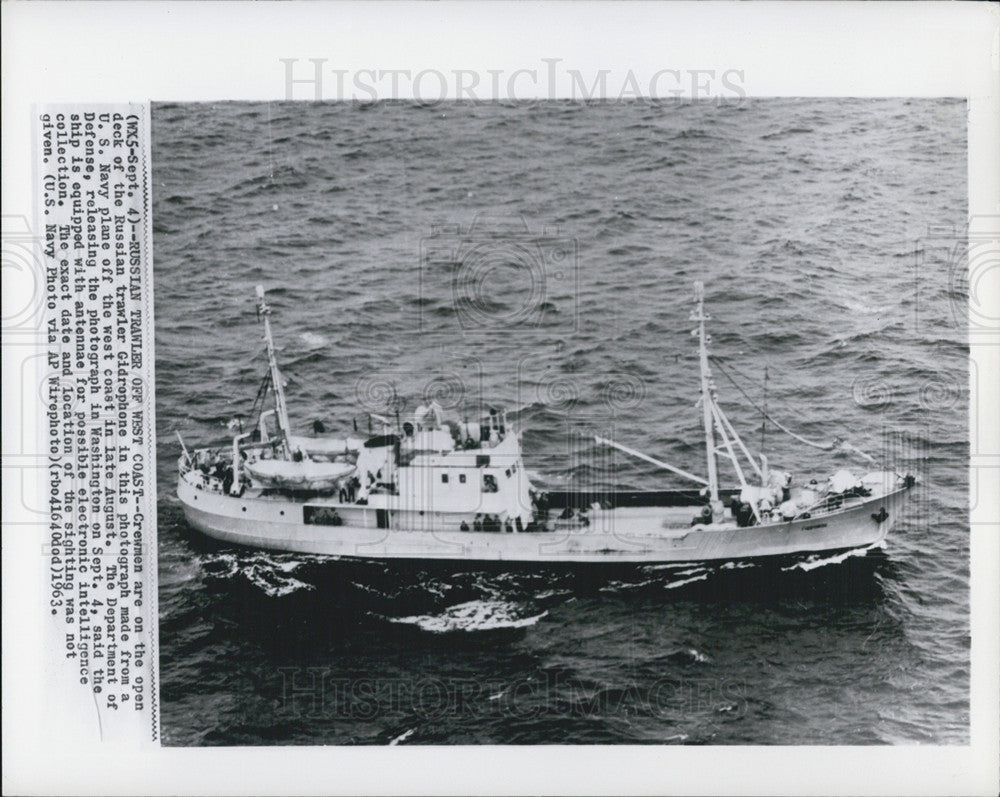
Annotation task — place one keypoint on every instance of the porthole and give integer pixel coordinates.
(244, 509)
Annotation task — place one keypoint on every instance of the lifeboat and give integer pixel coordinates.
(326, 446)
(306, 475)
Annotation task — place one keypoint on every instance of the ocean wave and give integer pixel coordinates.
(819, 560)
(474, 615)
(737, 565)
(684, 581)
(619, 586)
(313, 340)
(688, 656)
(402, 737)
(780, 134)
(273, 575)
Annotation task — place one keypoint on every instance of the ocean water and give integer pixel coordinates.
(541, 257)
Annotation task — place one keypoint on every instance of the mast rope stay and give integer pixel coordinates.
(836, 444)
(739, 442)
(729, 447)
(259, 398)
(822, 446)
(732, 456)
(651, 460)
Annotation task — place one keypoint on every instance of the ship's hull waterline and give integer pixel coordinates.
(633, 535)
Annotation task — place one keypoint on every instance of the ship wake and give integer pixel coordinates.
(271, 574)
(474, 615)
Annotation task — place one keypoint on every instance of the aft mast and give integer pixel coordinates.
(707, 402)
(281, 411)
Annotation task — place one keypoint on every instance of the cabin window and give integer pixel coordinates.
(490, 483)
(444, 478)
(321, 516)
(507, 472)
(461, 478)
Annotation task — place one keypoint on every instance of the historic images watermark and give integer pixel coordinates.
(320, 79)
(500, 274)
(971, 257)
(319, 693)
(24, 276)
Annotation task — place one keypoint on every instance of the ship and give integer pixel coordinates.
(431, 486)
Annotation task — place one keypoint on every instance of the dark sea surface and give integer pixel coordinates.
(541, 257)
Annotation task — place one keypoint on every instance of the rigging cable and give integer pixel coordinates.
(756, 383)
(763, 421)
(821, 446)
(837, 443)
(261, 394)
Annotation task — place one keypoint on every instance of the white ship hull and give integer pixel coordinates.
(626, 535)
(456, 489)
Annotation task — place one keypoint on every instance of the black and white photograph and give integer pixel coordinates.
(524, 398)
(617, 422)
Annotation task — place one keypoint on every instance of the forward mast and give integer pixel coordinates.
(281, 409)
(715, 420)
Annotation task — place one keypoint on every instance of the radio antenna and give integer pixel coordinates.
(763, 420)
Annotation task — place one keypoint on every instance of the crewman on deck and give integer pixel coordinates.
(765, 507)
(705, 518)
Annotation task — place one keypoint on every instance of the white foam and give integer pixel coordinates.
(683, 581)
(818, 561)
(313, 340)
(698, 656)
(550, 593)
(402, 737)
(268, 581)
(227, 564)
(476, 615)
(736, 565)
(615, 586)
(367, 588)
(271, 576)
